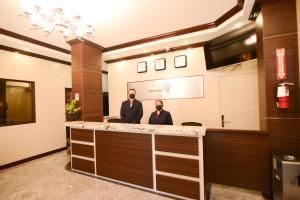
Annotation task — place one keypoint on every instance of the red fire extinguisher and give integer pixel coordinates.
(283, 95)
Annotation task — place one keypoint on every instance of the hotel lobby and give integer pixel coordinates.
(149, 100)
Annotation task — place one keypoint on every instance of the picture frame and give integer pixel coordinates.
(180, 61)
(142, 67)
(160, 64)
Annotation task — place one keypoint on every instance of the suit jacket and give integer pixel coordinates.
(164, 117)
(132, 114)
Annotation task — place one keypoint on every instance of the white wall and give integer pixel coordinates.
(48, 133)
(205, 110)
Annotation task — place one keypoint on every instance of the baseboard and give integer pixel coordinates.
(31, 158)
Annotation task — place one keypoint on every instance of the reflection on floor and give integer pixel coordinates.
(47, 178)
(221, 192)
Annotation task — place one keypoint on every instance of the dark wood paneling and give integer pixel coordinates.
(86, 79)
(261, 74)
(279, 18)
(289, 42)
(82, 135)
(279, 30)
(125, 156)
(157, 52)
(83, 150)
(255, 11)
(176, 144)
(217, 22)
(186, 188)
(33, 41)
(27, 53)
(83, 165)
(284, 136)
(238, 158)
(85, 41)
(182, 166)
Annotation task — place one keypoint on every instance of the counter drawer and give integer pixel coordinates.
(82, 150)
(181, 187)
(83, 165)
(181, 166)
(177, 144)
(82, 135)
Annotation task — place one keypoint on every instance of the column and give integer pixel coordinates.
(87, 78)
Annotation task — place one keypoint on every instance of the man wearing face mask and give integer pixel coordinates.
(131, 109)
(160, 116)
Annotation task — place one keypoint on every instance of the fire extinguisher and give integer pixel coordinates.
(283, 95)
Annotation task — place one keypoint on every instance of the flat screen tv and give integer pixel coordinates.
(231, 48)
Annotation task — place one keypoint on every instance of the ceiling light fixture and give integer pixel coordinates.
(238, 25)
(56, 19)
(251, 40)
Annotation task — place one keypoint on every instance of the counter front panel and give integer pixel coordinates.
(125, 156)
(164, 163)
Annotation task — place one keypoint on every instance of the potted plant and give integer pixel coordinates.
(72, 111)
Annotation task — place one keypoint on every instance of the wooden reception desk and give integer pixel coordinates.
(162, 159)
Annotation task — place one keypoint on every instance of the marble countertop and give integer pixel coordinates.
(193, 131)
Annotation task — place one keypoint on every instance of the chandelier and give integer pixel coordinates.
(56, 19)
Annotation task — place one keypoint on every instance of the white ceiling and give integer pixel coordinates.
(120, 21)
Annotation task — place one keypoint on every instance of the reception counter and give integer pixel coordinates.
(158, 158)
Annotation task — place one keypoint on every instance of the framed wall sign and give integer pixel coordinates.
(160, 64)
(180, 61)
(142, 67)
(186, 87)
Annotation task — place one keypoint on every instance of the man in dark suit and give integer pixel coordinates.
(131, 109)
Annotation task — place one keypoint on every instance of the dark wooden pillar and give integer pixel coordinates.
(277, 28)
(87, 78)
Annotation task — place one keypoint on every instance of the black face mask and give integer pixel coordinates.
(158, 107)
(131, 96)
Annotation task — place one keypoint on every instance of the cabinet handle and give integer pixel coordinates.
(223, 122)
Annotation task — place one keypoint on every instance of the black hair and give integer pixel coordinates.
(162, 103)
(132, 89)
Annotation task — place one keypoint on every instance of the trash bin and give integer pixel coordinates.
(286, 177)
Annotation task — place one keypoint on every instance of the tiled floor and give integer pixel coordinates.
(47, 178)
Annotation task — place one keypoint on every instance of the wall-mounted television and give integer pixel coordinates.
(234, 47)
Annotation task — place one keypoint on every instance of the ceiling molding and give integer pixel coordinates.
(33, 41)
(85, 41)
(237, 8)
(27, 53)
(178, 48)
(255, 11)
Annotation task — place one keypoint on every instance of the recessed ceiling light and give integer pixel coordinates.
(168, 49)
(114, 56)
(185, 42)
(26, 49)
(145, 50)
(238, 25)
(251, 40)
